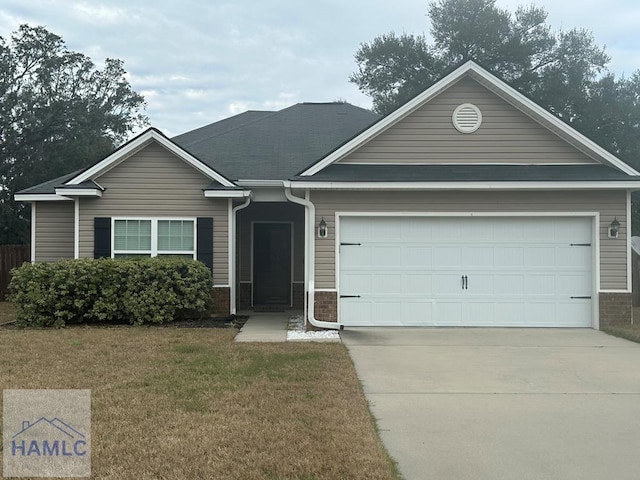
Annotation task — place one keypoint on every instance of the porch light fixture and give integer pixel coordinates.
(322, 229)
(614, 228)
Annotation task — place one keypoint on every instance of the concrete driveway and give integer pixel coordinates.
(492, 404)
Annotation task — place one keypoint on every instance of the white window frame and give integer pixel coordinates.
(154, 252)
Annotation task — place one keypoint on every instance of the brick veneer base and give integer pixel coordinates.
(244, 296)
(298, 296)
(615, 308)
(222, 301)
(326, 306)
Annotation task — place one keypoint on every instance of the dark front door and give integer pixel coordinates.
(272, 264)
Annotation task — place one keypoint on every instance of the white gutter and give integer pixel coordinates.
(232, 254)
(309, 258)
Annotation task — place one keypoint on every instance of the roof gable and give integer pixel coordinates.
(505, 135)
(137, 144)
(570, 146)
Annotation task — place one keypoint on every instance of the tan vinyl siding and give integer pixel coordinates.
(54, 231)
(506, 135)
(156, 183)
(610, 204)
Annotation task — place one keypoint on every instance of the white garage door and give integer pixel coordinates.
(466, 271)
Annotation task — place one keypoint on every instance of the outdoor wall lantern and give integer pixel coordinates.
(322, 229)
(614, 228)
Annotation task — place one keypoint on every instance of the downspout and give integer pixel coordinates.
(309, 258)
(232, 253)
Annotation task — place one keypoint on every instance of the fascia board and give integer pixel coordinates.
(630, 185)
(227, 193)
(42, 197)
(79, 192)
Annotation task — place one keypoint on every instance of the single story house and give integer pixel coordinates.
(470, 205)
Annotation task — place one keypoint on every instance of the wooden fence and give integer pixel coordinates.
(11, 256)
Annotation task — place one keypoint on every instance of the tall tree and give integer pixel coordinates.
(565, 71)
(58, 113)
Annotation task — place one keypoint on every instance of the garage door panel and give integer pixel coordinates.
(574, 257)
(449, 314)
(573, 285)
(418, 313)
(447, 284)
(477, 313)
(480, 284)
(416, 256)
(473, 257)
(356, 256)
(509, 284)
(390, 256)
(447, 257)
(356, 282)
(539, 257)
(417, 284)
(509, 257)
(387, 284)
(519, 271)
(540, 284)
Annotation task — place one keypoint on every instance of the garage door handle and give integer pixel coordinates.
(585, 296)
(465, 282)
(349, 296)
(345, 243)
(580, 244)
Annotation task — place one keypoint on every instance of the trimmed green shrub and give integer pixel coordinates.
(141, 290)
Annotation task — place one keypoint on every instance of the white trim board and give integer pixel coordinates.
(523, 185)
(42, 197)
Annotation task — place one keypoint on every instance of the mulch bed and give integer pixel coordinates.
(233, 321)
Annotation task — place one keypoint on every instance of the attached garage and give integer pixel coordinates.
(492, 271)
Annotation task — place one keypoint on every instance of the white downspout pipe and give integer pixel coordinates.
(309, 258)
(232, 253)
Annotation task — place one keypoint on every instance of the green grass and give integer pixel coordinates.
(170, 403)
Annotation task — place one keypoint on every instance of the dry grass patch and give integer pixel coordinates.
(7, 312)
(191, 403)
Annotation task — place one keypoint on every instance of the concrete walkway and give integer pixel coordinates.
(265, 327)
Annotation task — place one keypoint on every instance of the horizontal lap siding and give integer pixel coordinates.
(54, 231)
(156, 183)
(506, 135)
(610, 204)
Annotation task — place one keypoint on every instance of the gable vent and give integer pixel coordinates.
(467, 118)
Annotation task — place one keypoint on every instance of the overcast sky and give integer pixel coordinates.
(198, 61)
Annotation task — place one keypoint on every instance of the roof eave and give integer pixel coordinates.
(480, 185)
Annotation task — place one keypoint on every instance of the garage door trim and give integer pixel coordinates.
(595, 223)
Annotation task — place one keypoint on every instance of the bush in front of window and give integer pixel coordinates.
(137, 291)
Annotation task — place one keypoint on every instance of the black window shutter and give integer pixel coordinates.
(101, 237)
(204, 227)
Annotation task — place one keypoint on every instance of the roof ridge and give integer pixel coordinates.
(219, 134)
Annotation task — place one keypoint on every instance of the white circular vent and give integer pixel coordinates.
(467, 118)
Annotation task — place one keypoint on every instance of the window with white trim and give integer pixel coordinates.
(153, 237)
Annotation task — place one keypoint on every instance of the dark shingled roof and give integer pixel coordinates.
(50, 186)
(466, 173)
(275, 145)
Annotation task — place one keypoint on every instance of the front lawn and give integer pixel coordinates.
(171, 403)
(7, 312)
